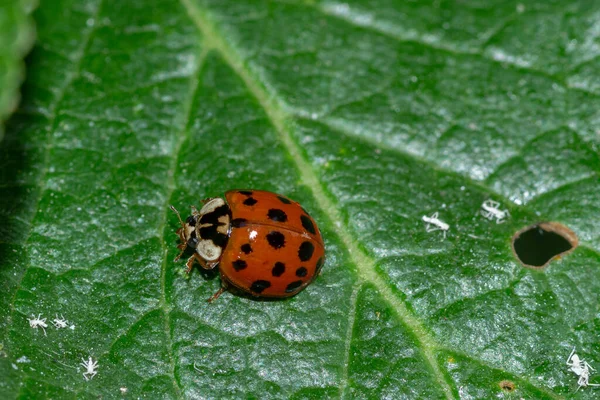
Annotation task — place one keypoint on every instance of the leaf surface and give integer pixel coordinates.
(372, 115)
(16, 37)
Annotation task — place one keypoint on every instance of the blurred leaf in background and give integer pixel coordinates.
(372, 114)
(16, 37)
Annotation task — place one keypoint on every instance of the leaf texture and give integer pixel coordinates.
(16, 37)
(372, 115)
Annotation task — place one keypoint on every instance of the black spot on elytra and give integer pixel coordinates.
(246, 248)
(301, 272)
(307, 224)
(319, 265)
(277, 215)
(191, 220)
(239, 222)
(250, 201)
(278, 269)
(245, 192)
(259, 286)
(293, 286)
(239, 265)
(276, 239)
(306, 251)
(284, 200)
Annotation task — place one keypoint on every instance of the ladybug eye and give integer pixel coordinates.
(191, 220)
(192, 242)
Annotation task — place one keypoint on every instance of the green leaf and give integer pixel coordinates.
(16, 37)
(372, 114)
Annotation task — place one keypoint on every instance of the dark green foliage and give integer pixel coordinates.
(372, 114)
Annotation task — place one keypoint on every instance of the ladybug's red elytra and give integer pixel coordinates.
(265, 244)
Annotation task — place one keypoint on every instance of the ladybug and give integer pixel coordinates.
(265, 244)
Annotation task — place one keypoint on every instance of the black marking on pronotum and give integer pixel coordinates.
(259, 286)
(191, 220)
(246, 248)
(239, 222)
(293, 286)
(210, 233)
(250, 201)
(307, 224)
(284, 200)
(239, 265)
(301, 272)
(277, 215)
(213, 216)
(276, 239)
(245, 192)
(305, 251)
(278, 269)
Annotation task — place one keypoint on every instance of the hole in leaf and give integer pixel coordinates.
(537, 245)
(507, 386)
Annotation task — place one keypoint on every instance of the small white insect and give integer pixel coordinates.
(90, 365)
(37, 322)
(580, 368)
(60, 322)
(490, 209)
(435, 224)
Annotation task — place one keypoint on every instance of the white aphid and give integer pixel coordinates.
(90, 368)
(490, 209)
(435, 224)
(580, 368)
(37, 322)
(60, 322)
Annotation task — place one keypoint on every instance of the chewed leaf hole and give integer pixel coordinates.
(537, 245)
(507, 386)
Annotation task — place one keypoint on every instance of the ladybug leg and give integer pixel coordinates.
(190, 262)
(217, 294)
(181, 246)
(205, 264)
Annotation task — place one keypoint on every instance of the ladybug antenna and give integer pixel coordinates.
(178, 216)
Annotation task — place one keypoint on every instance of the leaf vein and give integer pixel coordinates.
(282, 123)
(181, 138)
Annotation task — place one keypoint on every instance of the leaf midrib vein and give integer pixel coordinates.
(280, 121)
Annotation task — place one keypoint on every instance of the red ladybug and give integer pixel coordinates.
(265, 244)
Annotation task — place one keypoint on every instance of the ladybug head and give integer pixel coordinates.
(187, 232)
